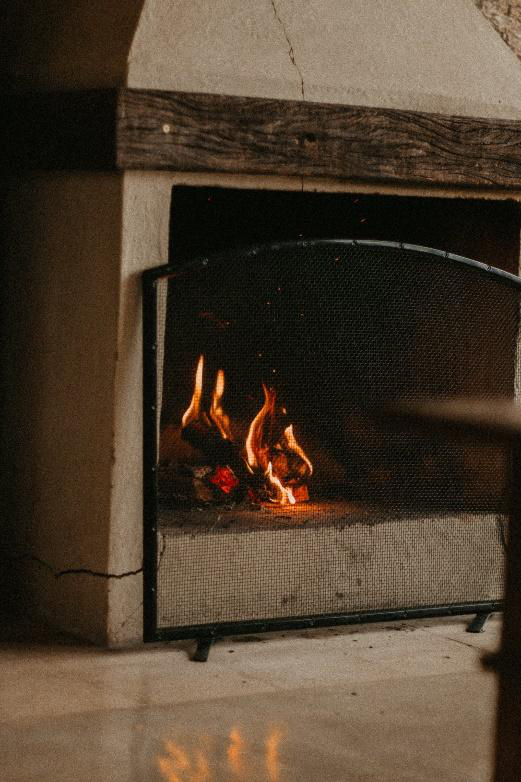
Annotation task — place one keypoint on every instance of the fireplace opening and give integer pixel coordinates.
(273, 492)
(206, 220)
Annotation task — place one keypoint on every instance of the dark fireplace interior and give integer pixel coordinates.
(284, 321)
(212, 219)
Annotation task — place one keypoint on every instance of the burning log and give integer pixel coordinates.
(182, 488)
(209, 442)
(283, 462)
(201, 485)
(271, 467)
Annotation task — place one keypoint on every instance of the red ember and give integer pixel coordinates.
(225, 479)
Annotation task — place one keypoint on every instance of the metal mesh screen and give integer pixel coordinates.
(394, 519)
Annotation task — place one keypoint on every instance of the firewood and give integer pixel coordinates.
(183, 489)
(209, 441)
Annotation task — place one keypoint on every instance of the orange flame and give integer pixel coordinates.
(293, 445)
(284, 495)
(256, 451)
(260, 446)
(217, 413)
(265, 452)
(192, 413)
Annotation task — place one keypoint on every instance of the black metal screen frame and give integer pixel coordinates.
(151, 631)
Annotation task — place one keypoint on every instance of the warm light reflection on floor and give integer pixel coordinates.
(203, 763)
(272, 755)
(235, 751)
(177, 766)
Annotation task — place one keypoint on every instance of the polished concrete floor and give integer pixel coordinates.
(380, 703)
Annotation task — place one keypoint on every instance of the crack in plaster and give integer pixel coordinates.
(73, 571)
(291, 51)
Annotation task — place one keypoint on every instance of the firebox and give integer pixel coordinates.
(274, 494)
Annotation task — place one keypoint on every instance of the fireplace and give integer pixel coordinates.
(275, 496)
(145, 148)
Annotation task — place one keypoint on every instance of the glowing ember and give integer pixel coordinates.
(225, 479)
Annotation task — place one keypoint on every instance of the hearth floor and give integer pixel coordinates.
(381, 703)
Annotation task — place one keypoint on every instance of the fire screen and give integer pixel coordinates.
(273, 496)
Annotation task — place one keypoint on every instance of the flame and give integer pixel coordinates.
(217, 413)
(255, 448)
(278, 458)
(260, 445)
(284, 493)
(192, 413)
(292, 444)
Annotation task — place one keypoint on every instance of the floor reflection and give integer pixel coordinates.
(272, 755)
(235, 751)
(205, 760)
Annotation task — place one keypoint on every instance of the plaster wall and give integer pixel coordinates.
(60, 314)
(433, 55)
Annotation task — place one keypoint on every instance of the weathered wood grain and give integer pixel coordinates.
(157, 130)
(199, 132)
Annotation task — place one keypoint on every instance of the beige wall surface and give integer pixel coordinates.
(429, 55)
(61, 288)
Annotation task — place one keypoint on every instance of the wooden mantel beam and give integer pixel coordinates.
(158, 130)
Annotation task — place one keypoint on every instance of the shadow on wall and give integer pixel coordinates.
(56, 45)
